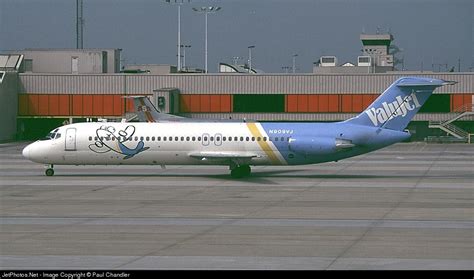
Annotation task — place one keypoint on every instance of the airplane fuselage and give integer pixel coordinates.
(208, 143)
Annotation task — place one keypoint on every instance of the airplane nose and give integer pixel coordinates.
(26, 151)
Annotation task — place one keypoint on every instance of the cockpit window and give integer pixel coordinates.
(52, 135)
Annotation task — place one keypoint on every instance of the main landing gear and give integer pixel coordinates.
(240, 171)
(49, 171)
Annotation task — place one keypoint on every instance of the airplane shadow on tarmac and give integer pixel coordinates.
(261, 177)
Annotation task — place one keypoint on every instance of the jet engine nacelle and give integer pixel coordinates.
(318, 146)
(313, 146)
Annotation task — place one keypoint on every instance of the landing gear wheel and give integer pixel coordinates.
(49, 172)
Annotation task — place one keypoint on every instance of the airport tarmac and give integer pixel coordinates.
(409, 206)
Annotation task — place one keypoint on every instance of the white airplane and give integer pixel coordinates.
(237, 144)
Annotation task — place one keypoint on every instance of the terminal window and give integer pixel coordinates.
(259, 103)
(437, 103)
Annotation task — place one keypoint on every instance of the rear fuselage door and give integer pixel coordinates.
(70, 144)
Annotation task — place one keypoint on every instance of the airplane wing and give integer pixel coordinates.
(237, 157)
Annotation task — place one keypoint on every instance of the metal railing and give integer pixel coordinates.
(447, 126)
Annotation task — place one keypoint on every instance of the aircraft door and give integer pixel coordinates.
(205, 139)
(70, 144)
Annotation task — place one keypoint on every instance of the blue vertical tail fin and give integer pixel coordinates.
(399, 103)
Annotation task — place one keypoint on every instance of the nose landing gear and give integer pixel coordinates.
(49, 171)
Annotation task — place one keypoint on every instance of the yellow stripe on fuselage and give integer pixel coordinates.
(263, 144)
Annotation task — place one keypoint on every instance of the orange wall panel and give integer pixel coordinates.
(43, 104)
(77, 105)
(205, 103)
(23, 104)
(53, 105)
(87, 105)
(215, 101)
(226, 104)
(64, 106)
(368, 99)
(312, 103)
(185, 103)
(98, 105)
(129, 105)
(108, 104)
(357, 103)
(118, 105)
(33, 104)
(333, 103)
(468, 100)
(291, 103)
(346, 105)
(195, 103)
(457, 100)
(302, 103)
(323, 104)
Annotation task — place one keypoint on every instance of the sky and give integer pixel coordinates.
(433, 34)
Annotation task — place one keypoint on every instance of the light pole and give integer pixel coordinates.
(250, 58)
(184, 54)
(294, 62)
(206, 11)
(179, 3)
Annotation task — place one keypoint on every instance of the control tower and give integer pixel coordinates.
(377, 47)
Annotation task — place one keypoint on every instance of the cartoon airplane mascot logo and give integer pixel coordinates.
(109, 140)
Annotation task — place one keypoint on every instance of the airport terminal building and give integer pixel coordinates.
(34, 102)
